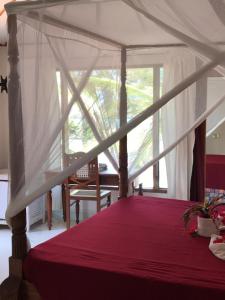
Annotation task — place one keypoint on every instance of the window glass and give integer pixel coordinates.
(101, 98)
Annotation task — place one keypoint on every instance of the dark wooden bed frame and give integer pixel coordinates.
(15, 286)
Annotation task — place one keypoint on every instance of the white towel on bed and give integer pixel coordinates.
(217, 248)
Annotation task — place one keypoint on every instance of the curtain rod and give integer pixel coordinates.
(164, 45)
(142, 46)
(154, 46)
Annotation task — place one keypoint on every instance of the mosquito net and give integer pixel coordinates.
(71, 61)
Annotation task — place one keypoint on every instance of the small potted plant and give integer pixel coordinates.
(207, 213)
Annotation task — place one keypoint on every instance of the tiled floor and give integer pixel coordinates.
(39, 233)
(5, 250)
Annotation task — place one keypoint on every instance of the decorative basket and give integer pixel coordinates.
(206, 227)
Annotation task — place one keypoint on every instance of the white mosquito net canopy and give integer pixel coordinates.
(69, 61)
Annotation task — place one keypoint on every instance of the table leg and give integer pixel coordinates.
(49, 209)
(77, 211)
(109, 200)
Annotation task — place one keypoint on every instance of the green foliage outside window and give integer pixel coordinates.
(101, 96)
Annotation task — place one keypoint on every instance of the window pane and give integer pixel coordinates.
(146, 178)
(139, 90)
(102, 159)
(162, 163)
(101, 96)
(163, 175)
(140, 96)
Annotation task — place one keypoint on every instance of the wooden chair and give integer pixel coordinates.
(83, 185)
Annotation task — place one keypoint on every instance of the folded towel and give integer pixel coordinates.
(217, 246)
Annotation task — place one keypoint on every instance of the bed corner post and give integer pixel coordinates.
(198, 176)
(11, 287)
(19, 240)
(123, 156)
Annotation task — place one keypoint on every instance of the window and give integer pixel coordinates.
(144, 86)
(147, 84)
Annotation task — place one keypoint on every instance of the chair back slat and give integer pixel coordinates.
(88, 172)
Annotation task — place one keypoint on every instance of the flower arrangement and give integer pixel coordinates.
(207, 209)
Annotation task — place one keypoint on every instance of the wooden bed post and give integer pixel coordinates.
(198, 178)
(10, 288)
(123, 172)
(19, 241)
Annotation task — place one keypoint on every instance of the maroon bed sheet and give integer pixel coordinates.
(215, 171)
(136, 249)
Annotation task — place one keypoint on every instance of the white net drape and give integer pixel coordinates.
(176, 116)
(69, 67)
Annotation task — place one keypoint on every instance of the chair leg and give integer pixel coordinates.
(67, 200)
(49, 209)
(77, 211)
(109, 200)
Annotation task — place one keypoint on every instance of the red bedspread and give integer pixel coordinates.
(137, 249)
(215, 171)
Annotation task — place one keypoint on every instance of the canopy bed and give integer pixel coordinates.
(76, 39)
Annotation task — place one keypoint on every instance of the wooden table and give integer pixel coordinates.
(108, 180)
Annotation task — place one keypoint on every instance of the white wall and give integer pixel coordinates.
(215, 91)
(3, 113)
(215, 143)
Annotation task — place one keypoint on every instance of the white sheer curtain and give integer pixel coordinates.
(176, 116)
